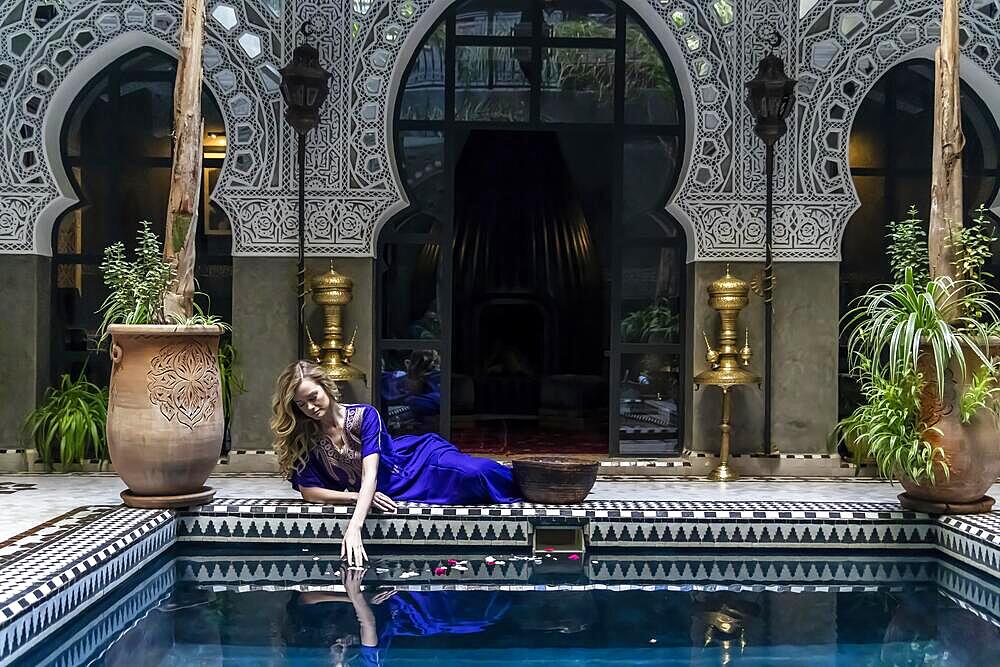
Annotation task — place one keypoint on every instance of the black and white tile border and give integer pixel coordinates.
(128, 610)
(53, 572)
(46, 587)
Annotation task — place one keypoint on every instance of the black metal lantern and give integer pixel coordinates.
(304, 87)
(770, 98)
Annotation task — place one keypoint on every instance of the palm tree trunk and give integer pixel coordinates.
(185, 174)
(946, 159)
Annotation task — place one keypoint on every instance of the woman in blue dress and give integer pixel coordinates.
(342, 453)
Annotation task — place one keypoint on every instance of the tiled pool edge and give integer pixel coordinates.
(36, 599)
(57, 576)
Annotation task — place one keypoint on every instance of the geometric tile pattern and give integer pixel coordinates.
(389, 530)
(69, 563)
(86, 643)
(43, 589)
(721, 571)
(978, 594)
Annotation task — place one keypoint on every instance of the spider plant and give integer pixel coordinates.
(891, 322)
(70, 422)
(232, 378)
(890, 328)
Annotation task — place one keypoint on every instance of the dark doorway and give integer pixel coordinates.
(532, 213)
(531, 297)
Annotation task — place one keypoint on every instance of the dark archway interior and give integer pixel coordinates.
(116, 144)
(890, 156)
(530, 297)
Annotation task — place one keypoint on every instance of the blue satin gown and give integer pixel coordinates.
(417, 468)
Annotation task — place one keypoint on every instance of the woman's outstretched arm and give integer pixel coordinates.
(317, 494)
(351, 545)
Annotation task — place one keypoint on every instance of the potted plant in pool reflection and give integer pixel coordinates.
(949, 635)
(925, 353)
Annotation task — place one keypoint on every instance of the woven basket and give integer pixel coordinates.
(555, 481)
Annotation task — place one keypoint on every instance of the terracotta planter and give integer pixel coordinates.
(971, 450)
(165, 419)
(555, 481)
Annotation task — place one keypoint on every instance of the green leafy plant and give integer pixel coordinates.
(138, 286)
(886, 427)
(974, 246)
(908, 248)
(579, 69)
(657, 319)
(70, 422)
(891, 326)
(981, 393)
(233, 381)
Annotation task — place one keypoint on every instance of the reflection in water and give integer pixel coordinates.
(382, 614)
(302, 612)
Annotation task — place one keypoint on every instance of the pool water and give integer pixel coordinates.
(657, 610)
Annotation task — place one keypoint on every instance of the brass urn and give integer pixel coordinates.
(331, 291)
(728, 362)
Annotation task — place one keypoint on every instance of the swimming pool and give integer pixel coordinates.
(490, 609)
(247, 582)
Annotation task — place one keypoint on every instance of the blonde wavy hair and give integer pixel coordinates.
(294, 432)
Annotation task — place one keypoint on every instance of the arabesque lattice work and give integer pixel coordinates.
(837, 49)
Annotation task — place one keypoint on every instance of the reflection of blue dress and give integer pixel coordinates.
(418, 468)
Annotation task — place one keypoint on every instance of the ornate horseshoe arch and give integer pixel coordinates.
(693, 36)
(47, 64)
(845, 50)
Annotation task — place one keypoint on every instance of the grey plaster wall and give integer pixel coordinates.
(805, 359)
(264, 333)
(25, 299)
(806, 331)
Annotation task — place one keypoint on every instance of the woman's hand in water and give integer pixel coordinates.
(352, 549)
(383, 503)
(352, 578)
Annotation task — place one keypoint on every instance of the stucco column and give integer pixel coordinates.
(25, 300)
(806, 313)
(264, 331)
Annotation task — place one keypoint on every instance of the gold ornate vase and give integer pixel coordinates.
(331, 291)
(727, 363)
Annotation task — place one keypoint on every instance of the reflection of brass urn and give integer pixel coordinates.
(728, 295)
(332, 291)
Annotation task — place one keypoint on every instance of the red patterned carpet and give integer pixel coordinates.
(501, 438)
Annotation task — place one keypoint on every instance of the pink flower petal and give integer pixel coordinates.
(452, 561)
(549, 549)
(440, 570)
(573, 557)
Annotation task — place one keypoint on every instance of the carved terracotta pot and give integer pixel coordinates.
(972, 450)
(165, 417)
